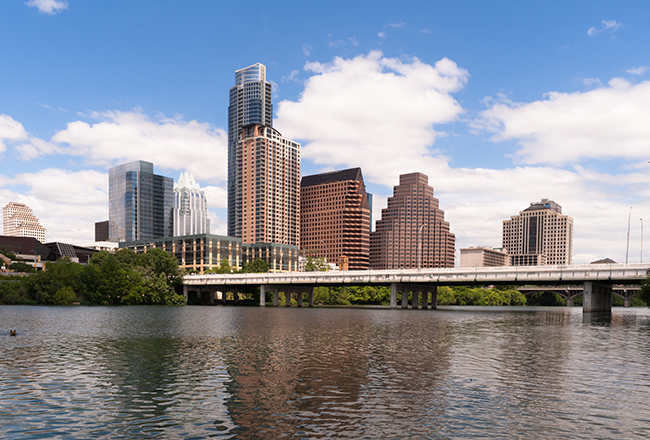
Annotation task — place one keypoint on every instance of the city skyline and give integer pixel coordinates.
(500, 105)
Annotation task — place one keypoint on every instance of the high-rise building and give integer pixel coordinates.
(18, 220)
(267, 192)
(335, 218)
(190, 208)
(539, 235)
(250, 103)
(412, 231)
(483, 257)
(140, 202)
(102, 231)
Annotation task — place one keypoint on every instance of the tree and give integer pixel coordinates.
(256, 266)
(644, 293)
(316, 265)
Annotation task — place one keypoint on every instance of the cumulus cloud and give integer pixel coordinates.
(606, 24)
(604, 123)
(363, 109)
(306, 49)
(67, 203)
(25, 145)
(48, 6)
(169, 143)
(592, 82)
(293, 76)
(638, 70)
(397, 25)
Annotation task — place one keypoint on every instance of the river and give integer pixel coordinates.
(270, 373)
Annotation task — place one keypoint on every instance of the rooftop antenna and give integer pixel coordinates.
(627, 249)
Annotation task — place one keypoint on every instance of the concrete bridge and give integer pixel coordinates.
(597, 281)
(624, 291)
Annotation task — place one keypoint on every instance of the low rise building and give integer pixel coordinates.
(482, 256)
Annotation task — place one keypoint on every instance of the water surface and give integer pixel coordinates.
(269, 373)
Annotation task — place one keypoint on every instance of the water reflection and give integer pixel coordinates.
(197, 372)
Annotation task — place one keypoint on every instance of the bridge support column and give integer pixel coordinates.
(597, 297)
(185, 291)
(299, 298)
(415, 298)
(425, 297)
(393, 295)
(275, 297)
(212, 295)
(311, 296)
(405, 296)
(569, 301)
(263, 289)
(434, 296)
(287, 297)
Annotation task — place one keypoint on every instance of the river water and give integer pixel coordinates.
(270, 373)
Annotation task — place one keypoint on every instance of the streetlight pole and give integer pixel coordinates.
(627, 249)
(641, 240)
(420, 245)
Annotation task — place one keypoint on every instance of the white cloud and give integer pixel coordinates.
(397, 25)
(607, 24)
(293, 76)
(638, 70)
(361, 110)
(11, 130)
(306, 49)
(67, 203)
(382, 34)
(48, 6)
(425, 31)
(351, 41)
(591, 82)
(604, 123)
(169, 143)
(217, 196)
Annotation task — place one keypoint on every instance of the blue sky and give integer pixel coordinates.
(500, 103)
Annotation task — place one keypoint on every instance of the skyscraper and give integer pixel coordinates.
(539, 235)
(190, 207)
(140, 202)
(18, 220)
(267, 191)
(250, 103)
(335, 218)
(412, 231)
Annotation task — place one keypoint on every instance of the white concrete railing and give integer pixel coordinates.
(617, 273)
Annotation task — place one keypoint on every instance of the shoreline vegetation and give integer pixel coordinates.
(126, 278)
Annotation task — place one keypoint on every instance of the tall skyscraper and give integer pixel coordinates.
(412, 231)
(140, 202)
(267, 191)
(250, 103)
(539, 235)
(190, 207)
(335, 218)
(18, 220)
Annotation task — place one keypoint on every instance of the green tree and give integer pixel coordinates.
(256, 266)
(19, 266)
(316, 265)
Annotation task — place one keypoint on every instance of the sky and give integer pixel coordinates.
(499, 103)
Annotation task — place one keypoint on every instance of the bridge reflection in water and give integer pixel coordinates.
(597, 282)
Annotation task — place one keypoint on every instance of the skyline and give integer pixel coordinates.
(500, 105)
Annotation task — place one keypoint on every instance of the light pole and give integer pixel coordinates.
(420, 245)
(627, 249)
(327, 266)
(641, 240)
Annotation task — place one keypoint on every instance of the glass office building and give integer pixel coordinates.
(140, 202)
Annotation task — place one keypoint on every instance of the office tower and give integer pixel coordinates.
(250, 103)
(102, 231)
(412, 231)
(18, 220)
(335, 218)
(190, 207)
(268, 188)
(140, 202)
(539, 235)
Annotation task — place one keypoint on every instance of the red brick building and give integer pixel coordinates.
(395, 242)
(335, 218)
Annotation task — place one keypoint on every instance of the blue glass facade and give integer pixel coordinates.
(140, 202)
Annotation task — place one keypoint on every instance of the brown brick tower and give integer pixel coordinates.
(335, 218)
(395, 242)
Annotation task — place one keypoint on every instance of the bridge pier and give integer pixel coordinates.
(597, 297)
(427, 291)
(185, 291)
